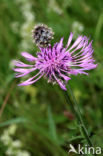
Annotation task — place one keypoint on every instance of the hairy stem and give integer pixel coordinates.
(75, 109)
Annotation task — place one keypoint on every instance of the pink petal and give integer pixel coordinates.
(59, 82)
(28, 56)
(21, 64)
(69, 40)
(78, 40)
(28, 82)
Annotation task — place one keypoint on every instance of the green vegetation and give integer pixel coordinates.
(37, 115)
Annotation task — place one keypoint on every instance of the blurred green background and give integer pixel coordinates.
(35, 120)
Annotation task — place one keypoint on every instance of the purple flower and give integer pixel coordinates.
(57, 63)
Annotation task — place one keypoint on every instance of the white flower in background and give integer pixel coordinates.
(16, 143)
(13, 146)
(67, 3)
(77, 27)
(12, 129)
(30, 17)
(11, 64)
(53, 5)
(25, 30)
(15, 27)
(27, 26)
(24, 45)
(6, 139)
(10, 151)
(23, 153)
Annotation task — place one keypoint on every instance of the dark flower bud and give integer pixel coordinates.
(42, 35)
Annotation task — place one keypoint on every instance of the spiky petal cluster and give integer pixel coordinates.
(57, 63)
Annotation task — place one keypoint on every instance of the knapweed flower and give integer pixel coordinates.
(42, 35)
(58, 63)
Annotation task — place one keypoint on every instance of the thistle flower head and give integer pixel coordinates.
(58, 63)
(42, 35)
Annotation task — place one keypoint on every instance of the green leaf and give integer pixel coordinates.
(13, 121)
(75, 138)
(52, 125)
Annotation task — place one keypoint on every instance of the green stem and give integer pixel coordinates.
(75, 109)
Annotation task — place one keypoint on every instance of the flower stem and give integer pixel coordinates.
(75, 109)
